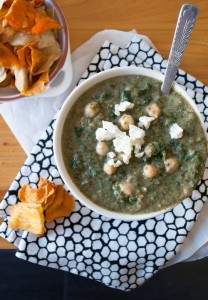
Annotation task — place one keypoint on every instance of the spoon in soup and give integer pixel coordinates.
(185, 25)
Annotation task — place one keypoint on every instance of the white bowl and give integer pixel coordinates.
(7, 93)
(77, 92)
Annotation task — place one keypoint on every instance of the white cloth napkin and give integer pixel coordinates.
(29, 117)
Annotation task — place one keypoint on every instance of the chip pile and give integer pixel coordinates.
(28, 45)
(47, 203)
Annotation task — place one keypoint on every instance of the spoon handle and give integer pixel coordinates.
(185, 25)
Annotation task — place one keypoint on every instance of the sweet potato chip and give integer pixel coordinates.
(38, 87)
(30, 195)
(44, 182)
(37, 3)
(7, 80)
(39, 196)
(52, 51)
(29, 213)
(21, 16)
(7, 58)
(50, 190)
(28, 46)
(8, 3)
(27, 216)
(43, 23)
(33, 58)
(24, 54)
(62, 205)
(6, 33)
(3, 12)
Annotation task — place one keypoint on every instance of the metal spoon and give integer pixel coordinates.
(185, 25)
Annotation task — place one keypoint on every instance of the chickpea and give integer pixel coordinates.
(125, 121)
(109, 169)
(171, 165)
(91, 110)
(127, 188)
(150, 149)
(150, 171)
(153, 110)
(101, 148)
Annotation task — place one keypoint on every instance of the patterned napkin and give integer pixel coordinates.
(119, 254)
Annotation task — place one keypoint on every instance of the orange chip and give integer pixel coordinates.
(43, 23)
(8, 3)
(37, 3)
(27, 216)
(43, 195)
(3, 12)
(7, 58)
(62, 205)
(32, 58)
(24, 54)
(21, 16)
(7, 81)
(44, 182)
(38, 86)
(6, 34)
(37, 59)
(30, 195)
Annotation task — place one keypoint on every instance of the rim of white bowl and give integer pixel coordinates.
(71, 99)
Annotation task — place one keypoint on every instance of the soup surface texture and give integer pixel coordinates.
(130, 149)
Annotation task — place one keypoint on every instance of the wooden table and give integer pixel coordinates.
(156, 19)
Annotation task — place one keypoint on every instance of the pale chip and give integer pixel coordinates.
(28, 217)
(38, 87)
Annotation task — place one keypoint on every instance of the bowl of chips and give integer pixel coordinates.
(34, 48)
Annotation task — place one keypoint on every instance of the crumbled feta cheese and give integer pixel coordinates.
(103, 135)
(122, 106)
(136, 132)
(123, 144)
(109, 126)
(137, 143)
(176, 132)
(126, 158)
(108, 132)
(113, 162)
(145, 121)
(116, 110)
(111, 154)
(138, 154)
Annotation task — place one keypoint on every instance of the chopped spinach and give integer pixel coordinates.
(75, 162)
(144, 90)
(126, 96)
(78, 131)
(146, 100)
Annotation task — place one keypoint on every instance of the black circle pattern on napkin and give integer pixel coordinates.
(119, 254)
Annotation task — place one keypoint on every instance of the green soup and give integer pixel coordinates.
(175, 163)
